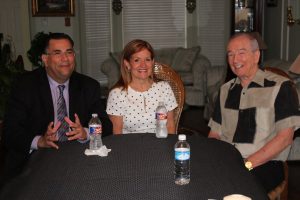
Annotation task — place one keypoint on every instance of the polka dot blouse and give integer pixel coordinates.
(138, 108)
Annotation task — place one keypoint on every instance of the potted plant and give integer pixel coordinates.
(37, 48)
(10, 68)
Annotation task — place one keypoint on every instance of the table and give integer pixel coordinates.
(140, 166)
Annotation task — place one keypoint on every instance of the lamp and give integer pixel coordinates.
(295, 67)
(262, 45)
(290, 19)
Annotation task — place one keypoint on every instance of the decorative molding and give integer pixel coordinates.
(117, 6)
(56, 8)
(290, 19)
(190, 5)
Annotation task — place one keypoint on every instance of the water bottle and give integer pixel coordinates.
(95, 130)
(161, 121)
(182, 161)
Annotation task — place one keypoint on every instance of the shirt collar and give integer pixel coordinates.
(259, 79)
(54, 84)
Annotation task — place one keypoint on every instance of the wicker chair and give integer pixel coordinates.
(281, 191)
(166, 73)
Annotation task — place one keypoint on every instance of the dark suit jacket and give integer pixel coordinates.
(30, 110)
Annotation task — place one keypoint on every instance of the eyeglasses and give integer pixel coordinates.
(59, 54)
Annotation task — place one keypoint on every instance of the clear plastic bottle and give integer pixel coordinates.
(182, 161)
(161, 121)
(95, 130)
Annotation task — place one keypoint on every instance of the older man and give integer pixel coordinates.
(256, 112)
(50, 105)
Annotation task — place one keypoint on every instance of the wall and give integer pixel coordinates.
(282, 40)
(213, 26)
(272, 32)
(17, 21)
(294, 31)
(294, 42)
(14, 22)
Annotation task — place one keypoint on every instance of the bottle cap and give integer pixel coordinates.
(94, 115)
(181, 137)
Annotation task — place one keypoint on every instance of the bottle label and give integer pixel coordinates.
(182, 153)
(161, 116)
(95, 129)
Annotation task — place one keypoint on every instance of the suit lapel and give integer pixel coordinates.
(74, 95)
(46, 97)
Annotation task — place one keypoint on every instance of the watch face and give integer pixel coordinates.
(248, 165)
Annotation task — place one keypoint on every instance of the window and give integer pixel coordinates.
(213, 29)
(161, 23)
(97, 37)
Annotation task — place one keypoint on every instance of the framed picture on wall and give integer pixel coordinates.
(53, 8)
(271, 3)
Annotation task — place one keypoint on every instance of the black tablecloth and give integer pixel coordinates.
(140, 166)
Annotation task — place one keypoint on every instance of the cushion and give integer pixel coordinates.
(187, 78)
(184, 59)
(116, 56)
(165, 55)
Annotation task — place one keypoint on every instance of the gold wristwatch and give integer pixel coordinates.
(248, 165)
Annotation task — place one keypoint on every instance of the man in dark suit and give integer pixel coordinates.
(31, 121)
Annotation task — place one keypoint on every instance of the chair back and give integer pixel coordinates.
(278, 71)
(284, 74)
(164, 72)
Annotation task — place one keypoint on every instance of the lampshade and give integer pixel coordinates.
(262, 45)
(295, 67)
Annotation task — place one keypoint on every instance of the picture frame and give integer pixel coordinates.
(272, 3)
(53, 8)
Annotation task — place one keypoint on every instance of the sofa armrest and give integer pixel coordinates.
(112, 70)
(216, 76)
(199, 70)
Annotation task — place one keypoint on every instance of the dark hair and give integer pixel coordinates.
(57, 36)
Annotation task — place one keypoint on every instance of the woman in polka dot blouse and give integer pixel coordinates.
(133, 100)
